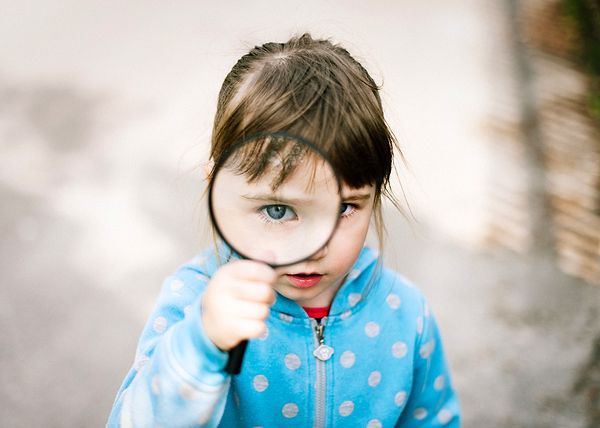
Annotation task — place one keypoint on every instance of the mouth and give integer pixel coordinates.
(304, 280)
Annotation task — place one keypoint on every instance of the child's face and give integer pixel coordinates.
(331, 264)
(291, 222)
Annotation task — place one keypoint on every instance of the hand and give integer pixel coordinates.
(237, 301)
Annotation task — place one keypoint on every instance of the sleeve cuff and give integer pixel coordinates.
(195, 352)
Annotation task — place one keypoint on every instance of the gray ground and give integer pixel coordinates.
(104, 116)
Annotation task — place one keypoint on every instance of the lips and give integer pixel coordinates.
(305, 280)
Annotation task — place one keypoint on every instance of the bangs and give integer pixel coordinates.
(275, 156)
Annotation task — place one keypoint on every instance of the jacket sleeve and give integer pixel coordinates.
(432, 401)
(177, 378)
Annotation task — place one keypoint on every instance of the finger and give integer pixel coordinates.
(257, 292)
(250, 311)
(249, 329)
(246, 332)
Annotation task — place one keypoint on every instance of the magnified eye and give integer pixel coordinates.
(277, 213)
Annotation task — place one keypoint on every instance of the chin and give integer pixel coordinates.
(299, 294)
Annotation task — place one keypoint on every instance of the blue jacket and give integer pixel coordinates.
(378, 361)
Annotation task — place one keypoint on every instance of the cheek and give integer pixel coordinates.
(347, 244)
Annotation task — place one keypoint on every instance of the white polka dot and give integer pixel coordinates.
(187, 310)
(260, 383)
(285, 318)
(393, 301)
(354, 274)
(354, 298)
(125, 421)
(155, 385)
(292, 361)
(374, 378)
(420, 413)
(399, 349)
(290, 410)
(199, 260)
(176, 285)
(140, 362)
(374, 423)
(203, 419)
(372, 329)
(265, 335)
(159, 325)
(188, 392)
(347, 359)
(400, 398)
(444, 416)
(419, 325)
(427, 349)
(346, 408)
(439, 382)
(346, 315)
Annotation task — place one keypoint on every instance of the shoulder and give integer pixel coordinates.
(381, 282)
(399, 291)
(200, 268)
(189, 280)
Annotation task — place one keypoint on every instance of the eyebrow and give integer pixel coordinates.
(267, 197)
(357, 197)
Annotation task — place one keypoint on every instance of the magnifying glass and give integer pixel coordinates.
(274, 198)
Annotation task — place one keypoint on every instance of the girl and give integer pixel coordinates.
(356, 345)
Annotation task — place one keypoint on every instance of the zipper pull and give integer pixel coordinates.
(322, 352)
(320, 329)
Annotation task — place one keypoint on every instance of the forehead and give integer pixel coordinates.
(310, 177)
(277, 160)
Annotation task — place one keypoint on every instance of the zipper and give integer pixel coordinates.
(322, 353)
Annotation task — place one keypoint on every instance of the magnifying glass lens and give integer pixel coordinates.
(275, 199)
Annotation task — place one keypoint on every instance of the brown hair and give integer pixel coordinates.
(314, 89)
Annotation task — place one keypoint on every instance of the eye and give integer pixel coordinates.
(277, 213)
(346, 210)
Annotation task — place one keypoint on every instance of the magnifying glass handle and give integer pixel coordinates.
(236, 355)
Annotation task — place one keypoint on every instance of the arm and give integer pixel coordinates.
(177, 378)
(432, 401)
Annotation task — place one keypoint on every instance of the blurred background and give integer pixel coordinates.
(105, 117)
